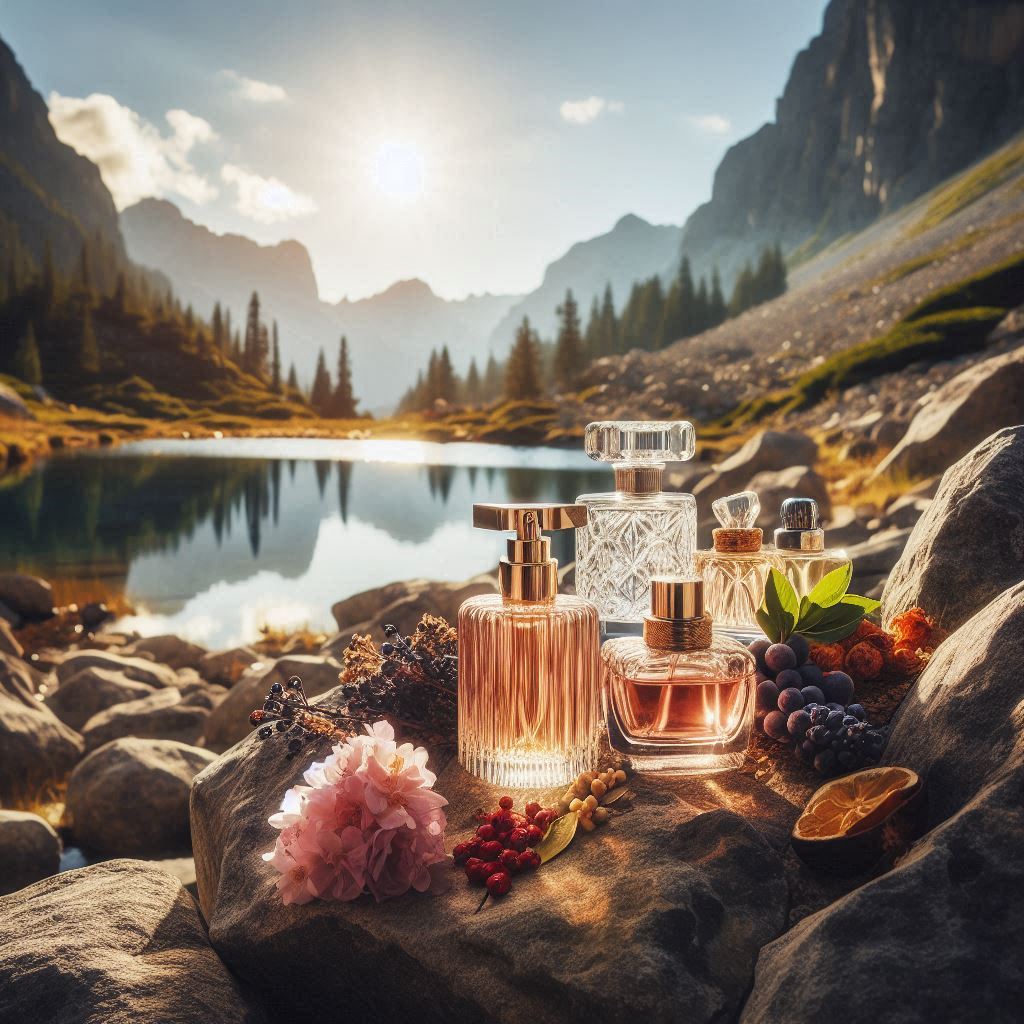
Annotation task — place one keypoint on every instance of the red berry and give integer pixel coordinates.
(534, 835)
(486, 832)
(517, 839)
(489, 867)
(502, 823)
(474, 845)
(506, 803)
(474, 871)
(519, 820)
(542, 819)
(491, 850)
(529, 860)
(461, 852)
(510, 860)
(499, 883)
(532, 808)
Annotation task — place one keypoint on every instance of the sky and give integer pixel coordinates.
(468, 144)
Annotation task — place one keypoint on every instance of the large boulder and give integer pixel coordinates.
(968, 547)
(115, 943)
(37, 751)
(28, 596)
(13, 406)
(768, 451)
(225, 668)
(160, 715)
(19, 679)
(90, 691)
(960, 414)
(168, 649)
(879, 553)
(939, 938)
(657, 916)
(141, 670)
(229, 721)
(29, 850)
(130, 797)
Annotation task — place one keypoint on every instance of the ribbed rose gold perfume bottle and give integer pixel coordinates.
(736, 569)
(529, 663)
(681, 698)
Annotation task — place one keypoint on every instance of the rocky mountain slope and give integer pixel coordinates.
(890, 99)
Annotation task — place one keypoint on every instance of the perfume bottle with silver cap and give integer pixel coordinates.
(638, 530)
(800, 542)
(681, 697)
(529, 704)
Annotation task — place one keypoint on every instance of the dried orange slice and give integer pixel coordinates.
(841, 828)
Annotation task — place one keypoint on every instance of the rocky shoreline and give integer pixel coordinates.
(691, 905)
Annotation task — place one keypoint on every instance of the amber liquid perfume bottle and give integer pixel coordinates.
(529, 661)
(681, 698)
(736, 569)
(638, 530)
(800, 542)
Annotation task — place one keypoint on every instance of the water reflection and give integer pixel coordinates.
(214, 547)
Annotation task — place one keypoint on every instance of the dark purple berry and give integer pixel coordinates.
(812, 695)
(757, 649)
(779, 657)
(800, 648)
(837, 687)
(798, 723)
(276, 688)
(774, 726)
(790, 701)
(811, 674)
(789, 677)
(767, 695)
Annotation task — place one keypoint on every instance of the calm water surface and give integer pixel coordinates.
(212, 539)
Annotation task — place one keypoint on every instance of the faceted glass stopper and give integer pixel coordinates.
(738, 511)
(637, 441)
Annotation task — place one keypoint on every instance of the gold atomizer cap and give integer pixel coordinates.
(677, 598)
(677, 621)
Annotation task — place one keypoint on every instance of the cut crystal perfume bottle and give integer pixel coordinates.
(638, 530)
(681, 697)
(800, 541)
(529, 663)
(735, 570)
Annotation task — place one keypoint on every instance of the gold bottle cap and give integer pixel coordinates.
(677, 621)
(529, 573)
(673, 598)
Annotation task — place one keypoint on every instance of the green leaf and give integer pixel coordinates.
(810, 615)
(559, 835)
(868, 604)
(782, 605)
(837, 622)
(764, 620)
(831, 587)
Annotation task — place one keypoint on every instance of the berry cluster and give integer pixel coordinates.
(286, 710)
(503, 845)
(871, 652)
(812, 709)
(584, 796)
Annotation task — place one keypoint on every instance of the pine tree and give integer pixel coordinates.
(293, 381)
(119, 300)
(344, 398)
(609, 336)
(217, 326)
(447, 387)
(263, 353)
(320, 396)
(87, 355)
(473, 388)
(569, 344)
(251, 345)
(593, 332)
(701, 308)
(275, 364)
(716, 304)
(744, 291)
(227, 330)
(522, 374)
(494, 379)
(26, 358)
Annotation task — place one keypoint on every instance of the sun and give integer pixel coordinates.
(398, 171)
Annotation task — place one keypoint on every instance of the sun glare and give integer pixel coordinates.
(398, 170)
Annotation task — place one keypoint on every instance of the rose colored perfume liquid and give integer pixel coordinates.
(690, 712)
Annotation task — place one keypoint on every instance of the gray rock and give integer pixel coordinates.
(969, 546)
(959, 415)
(773, 487)
(37, 751)
(90, 691)
(130, 797)
(142, 670)
(160, 715)
(183, 869)
(13, 405)
(906, 510)
(29, 850)
(115, 943)
(878, 554)
(10, 616)
(225, 668)
(656, 917)
(20, 680)
(28, 596)
(845, 528)
(169, 650)
(9, 642)
(936, 939)
(202, 694)
(229, 721)
(768, 451)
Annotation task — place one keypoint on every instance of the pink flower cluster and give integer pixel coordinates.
(368, 819)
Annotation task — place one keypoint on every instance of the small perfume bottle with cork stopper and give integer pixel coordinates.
(529, 708)
(681, 697)
(800, 542)
(638, 530)
(736, 569)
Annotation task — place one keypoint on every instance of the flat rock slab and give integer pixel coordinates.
(115, 943)
(657, 916)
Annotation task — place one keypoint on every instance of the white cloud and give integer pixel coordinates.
(711, 124)
(134, 158)
(253, 89)
(585, 111)
(265, 200)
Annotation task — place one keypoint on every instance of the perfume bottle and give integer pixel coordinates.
(735, 570)
(681, 698)
(800, 541)
(529, 663)
(638, 530)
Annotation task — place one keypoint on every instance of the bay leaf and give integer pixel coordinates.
(616, 794)
(559, 835)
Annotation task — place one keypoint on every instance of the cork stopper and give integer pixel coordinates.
(677, 621)
(737, 513)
